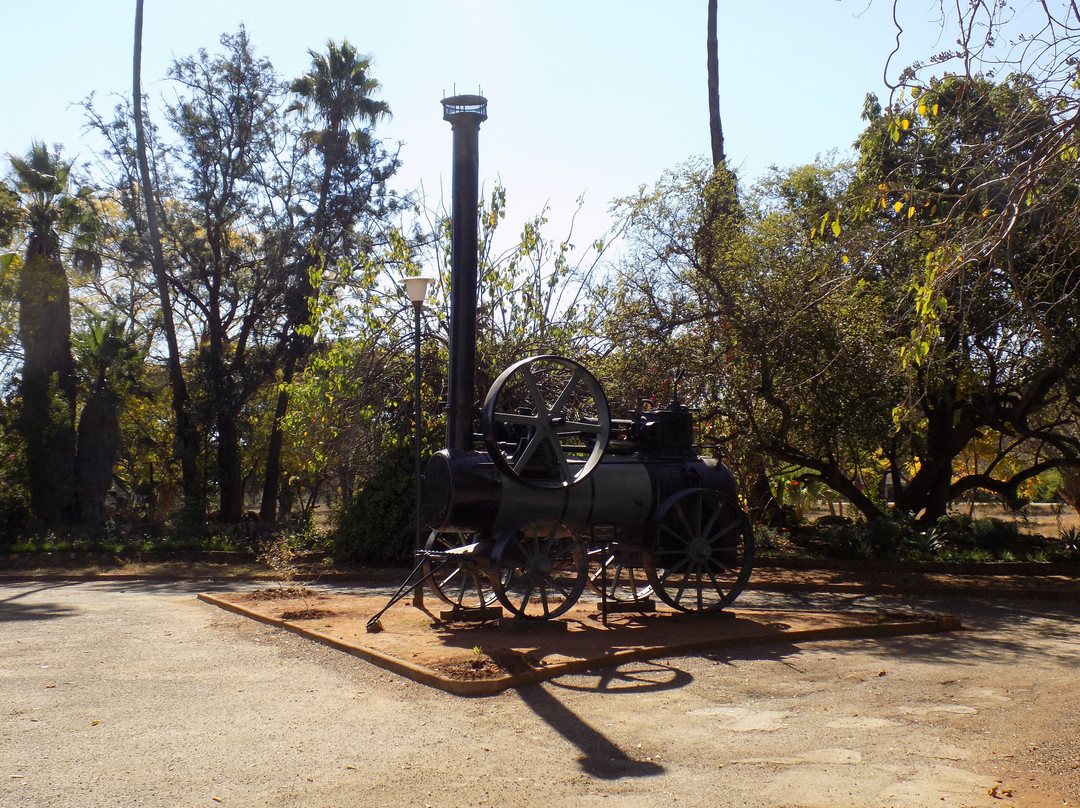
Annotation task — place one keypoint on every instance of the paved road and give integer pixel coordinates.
(136, 694)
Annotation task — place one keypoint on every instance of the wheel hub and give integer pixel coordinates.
(541, 566)
(700, 550)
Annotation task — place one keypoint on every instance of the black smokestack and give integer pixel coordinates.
(465, 114)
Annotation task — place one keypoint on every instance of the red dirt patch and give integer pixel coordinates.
(487, 657)
(279, 593)
(306, 614)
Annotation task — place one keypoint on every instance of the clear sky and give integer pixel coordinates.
(593, 97)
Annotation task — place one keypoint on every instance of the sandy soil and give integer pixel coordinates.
(135, 693)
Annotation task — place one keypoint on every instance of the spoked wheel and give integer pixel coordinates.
(701, 551)
(538, 570)
(462, 583)
(617, 576)
(546, 422)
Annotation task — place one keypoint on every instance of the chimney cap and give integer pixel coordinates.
(465, 105)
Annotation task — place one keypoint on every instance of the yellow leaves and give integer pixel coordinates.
(911, 211)
(827, 220)
(899, 206)
(899, 414)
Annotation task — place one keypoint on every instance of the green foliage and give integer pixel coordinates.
(955, 537)
(994, 535)
(1045, 487)
(780, 345)
(956, 528)
(14, 494)
(912, 314)
(765, 539)
(862, 320)
(796, 494)
(265, 213)
(376, 526)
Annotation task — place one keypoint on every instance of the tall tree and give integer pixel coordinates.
(237, 194)
(990, 280)
(226, 121)
(335, 95)
(185, 443)
(49, 213)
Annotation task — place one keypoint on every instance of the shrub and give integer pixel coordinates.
(955, 528)
(994, 535)
(764, 538)
(924, 545)
(376, 526)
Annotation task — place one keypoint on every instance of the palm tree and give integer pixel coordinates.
(111, 364)
(337, 92)
(47, 213)
(336, 96)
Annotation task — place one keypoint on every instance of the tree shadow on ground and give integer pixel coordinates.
(12, 611)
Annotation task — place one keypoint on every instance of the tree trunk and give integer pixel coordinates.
(230, 469)
(99, 437)
(760, 501)
(949, 427)
(1070, 488)
(272, 478)
(186, 441)
(716, 130)
(47, 418)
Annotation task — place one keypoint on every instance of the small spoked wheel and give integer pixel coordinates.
(461, 581)
(617, 576)
(700, 551)
(546, 422)
(539, 569)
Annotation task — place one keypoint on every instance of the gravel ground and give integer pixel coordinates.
(136, 694)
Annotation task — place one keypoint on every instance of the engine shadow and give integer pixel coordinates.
(600, 757)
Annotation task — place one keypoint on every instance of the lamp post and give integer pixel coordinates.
(416, 289)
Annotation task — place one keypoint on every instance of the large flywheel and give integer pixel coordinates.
(546, 422)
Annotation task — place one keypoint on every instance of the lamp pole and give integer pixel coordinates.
(416, 289)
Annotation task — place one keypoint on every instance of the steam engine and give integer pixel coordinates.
(560, 496)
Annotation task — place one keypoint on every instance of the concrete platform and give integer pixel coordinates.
(482, 659)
